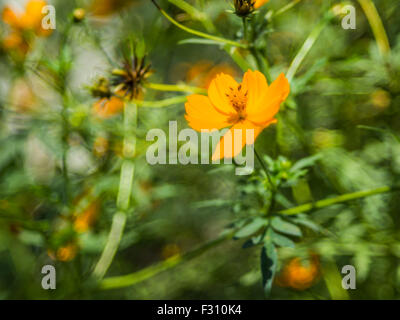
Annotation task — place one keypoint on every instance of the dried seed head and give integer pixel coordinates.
(128, 81)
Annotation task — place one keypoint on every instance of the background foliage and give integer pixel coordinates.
(341, 116)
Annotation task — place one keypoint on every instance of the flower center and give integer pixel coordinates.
(238, 99)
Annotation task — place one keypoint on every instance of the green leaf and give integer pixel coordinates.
(305, 162)
(269, 259)
(251, 228)
(199, 41)
(304, 221)
(281, 240)
(253, 241)
(285, 227)
(212, 203)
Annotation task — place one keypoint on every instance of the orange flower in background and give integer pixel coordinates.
(259, 3)
(30, 19)
(103, 8)
(299, 274)
(65, 253)
(85, 219)
(108, 107)
(202, 73)
(20, 23)
(249, 105)
(87, 209)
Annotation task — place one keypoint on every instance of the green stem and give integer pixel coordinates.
(376, 25)
(175, 88)
(146, 273)
(289, 6)
(124, 193)
(198, 33)
(195, 14)
(244, 29)
(329, 202)
(265, 169)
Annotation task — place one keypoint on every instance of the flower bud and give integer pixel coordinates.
(244, 7)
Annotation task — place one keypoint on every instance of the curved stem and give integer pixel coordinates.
(376, 25)
(124, 193)
(146, 273)
(198, 33)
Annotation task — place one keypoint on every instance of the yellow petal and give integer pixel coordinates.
(201, 114)
(9, 17)
(267, 107)
(219, 88)
(231, 145)
(256, 85)
(32, 19)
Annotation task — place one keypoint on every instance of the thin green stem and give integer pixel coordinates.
(329, 202)
(198, 33)
(195, 14)
(174, 88)
(376, 24)
(289, 6)
(264, 167)
(146, 273)
(161, 103)
(124, 193)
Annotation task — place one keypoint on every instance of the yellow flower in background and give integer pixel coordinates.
(252, 104)
(299, 274)
(100, 147)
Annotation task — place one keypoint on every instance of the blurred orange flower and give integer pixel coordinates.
(103, 8)
(65, 253)
(21, 22)
(202, 73)
(107, 107)
(85, 219)
(249, 105)
(259, 3)
(299, 274)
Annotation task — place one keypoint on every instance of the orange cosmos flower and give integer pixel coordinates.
(249, 105)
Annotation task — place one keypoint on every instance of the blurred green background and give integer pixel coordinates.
(344, 107)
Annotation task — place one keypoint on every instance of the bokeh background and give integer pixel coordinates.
(344, 107)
